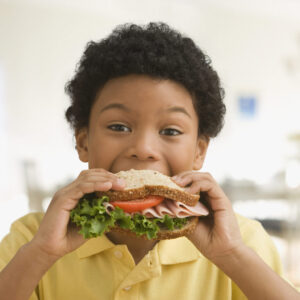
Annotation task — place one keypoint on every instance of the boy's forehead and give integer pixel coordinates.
(134, 90)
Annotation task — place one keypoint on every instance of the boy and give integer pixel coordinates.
(144, 98)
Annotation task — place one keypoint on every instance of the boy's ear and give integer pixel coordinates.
(201, 149)
(82, 144)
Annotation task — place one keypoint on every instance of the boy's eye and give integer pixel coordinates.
(119, 127)
(170, 131)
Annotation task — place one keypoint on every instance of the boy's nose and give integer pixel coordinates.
(144, 148)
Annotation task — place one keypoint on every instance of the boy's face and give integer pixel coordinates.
(142, 123)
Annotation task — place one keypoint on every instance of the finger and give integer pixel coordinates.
(117, 183)
(205, 185)
(96, 170)
(189, 178)
(68, 198)
(182, 181)
(195, 175)
(184, 173)
(186, 178)
(216, 198)
(85, 174)
(201, 232)
(179, 176)
(103, 172)
(194, 188)
(95, 175)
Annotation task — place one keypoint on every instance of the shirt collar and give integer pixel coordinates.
(177, 251)
(94, 246)
(173, 251)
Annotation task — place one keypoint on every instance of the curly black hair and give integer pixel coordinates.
(155, 50)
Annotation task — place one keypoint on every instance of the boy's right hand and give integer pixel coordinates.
(56, 236)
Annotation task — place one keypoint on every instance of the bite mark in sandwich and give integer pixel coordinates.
(151, 206)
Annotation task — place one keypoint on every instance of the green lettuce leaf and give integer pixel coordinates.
(91, 216)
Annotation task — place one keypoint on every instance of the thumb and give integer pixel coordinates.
(202, 233)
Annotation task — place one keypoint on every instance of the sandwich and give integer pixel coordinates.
(151, 206)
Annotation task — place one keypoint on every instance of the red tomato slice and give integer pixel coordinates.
(138, 204)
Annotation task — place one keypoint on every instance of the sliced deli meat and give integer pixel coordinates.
(169, 207)
(175, 209)
(181, 210)
(162, 209)
(108, 207)
(150, 213)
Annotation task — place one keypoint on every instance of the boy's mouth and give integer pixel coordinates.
(132, 167)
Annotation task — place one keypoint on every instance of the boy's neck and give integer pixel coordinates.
(138, 247)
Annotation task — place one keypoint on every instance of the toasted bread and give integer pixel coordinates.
(165, 234)
(141, 183)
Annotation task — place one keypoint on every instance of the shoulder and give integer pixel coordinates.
(256, 237)
(21, 232)
(28, 224)
(251, 230)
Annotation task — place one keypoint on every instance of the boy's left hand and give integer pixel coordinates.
(217, 235)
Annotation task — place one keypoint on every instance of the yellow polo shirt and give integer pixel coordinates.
(99, 269)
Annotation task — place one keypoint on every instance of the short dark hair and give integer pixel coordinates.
(155, 50)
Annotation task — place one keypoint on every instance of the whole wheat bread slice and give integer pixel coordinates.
(142, 183)
(165, 234)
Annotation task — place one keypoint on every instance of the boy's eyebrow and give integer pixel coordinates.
(114, 105)
(123, 107)
(178, 109)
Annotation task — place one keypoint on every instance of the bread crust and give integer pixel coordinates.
(165, 234)
(157, 190)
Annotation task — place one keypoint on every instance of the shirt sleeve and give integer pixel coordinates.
(255, 237)
(21, 232)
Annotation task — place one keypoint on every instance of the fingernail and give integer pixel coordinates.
(179, 179)
(121, 181)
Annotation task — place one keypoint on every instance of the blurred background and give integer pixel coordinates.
(255, 48)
